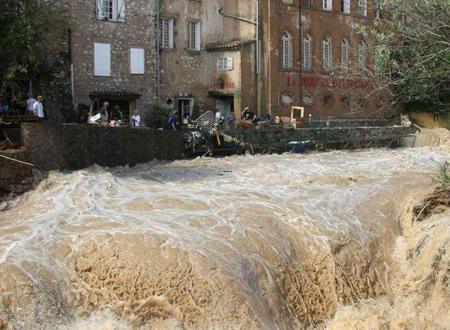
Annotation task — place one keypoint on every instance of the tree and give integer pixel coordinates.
(412, 55)
(28, 29)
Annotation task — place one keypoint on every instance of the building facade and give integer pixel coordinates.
(197, 55)
(112, 50)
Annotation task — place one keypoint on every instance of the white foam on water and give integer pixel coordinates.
(264, 241)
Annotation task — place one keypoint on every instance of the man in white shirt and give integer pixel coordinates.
(136, 119)
(30, 103)
(38, 108)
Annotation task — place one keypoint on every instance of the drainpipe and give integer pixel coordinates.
(258, 60)
(158, 50)
(300, 26)
(269, 52)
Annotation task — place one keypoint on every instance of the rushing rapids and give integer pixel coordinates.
(265, 242)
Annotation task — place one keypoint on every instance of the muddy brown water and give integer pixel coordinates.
(264, 242)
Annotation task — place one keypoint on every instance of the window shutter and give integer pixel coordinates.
(137, 61)
(197, 35)
(100, 14)
(102, 60)
(171, 33)
(230, 63)
(121, 10)
(307, 54)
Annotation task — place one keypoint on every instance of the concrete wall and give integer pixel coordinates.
(72, 146)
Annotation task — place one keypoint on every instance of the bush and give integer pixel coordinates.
(158, 116)
(442, 178)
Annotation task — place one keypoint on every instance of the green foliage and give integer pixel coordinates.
(442, 178)
(414, 53)
(27, 28)
(158, 116)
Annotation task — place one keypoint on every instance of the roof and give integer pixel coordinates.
(227, 45)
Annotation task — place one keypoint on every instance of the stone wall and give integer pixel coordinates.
(136, 31)
(13, 174)
(345, 138)
(54, 146)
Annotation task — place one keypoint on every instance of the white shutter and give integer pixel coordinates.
(327, 5)
(121, 10)
(307, 53)
(171, 33)
(197, 36)
(230, 63)
(100, 14)
(346, 6)
(137, 61)
(102, 60)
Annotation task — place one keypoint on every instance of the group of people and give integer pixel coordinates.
(33, 106)
(113, 118)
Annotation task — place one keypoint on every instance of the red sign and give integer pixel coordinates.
(342, 83)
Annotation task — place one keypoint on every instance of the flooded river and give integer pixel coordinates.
(264, 242)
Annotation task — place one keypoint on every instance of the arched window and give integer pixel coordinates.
(287, 51)
(307, 53)
(344, 55)
(327, 54)
(362, 57)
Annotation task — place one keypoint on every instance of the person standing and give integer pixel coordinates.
(30, 103)
(38, 108)
(104, 113)
(136, 119)
(172, 124)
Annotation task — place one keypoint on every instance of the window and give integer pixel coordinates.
(379, 10)
(327, 5)
(344, 55)
(194, 36)
(111, 10)
(185, 107)
(166, 30)
(307, 3)
(362, 7)
(307, 53)
(362, 57)
(346, 6)
(327, 54)
(102, 60)
(225, 64)
(137, 61)
(287, 51)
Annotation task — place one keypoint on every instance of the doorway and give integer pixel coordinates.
(225, 106)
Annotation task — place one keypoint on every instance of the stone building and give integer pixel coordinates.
(306, 53)
(225, 54)
(207, 59)
(315, 56)
(113, 52)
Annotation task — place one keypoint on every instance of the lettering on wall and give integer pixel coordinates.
(315, 82)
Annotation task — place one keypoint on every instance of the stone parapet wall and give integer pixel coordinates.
(379, 122)
(348, 137)
(53, 146)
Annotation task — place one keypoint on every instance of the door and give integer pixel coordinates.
(224, 106)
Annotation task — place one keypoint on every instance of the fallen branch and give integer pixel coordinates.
(16, 160)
